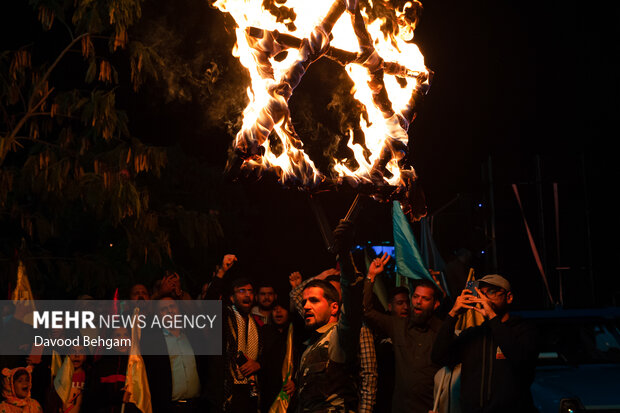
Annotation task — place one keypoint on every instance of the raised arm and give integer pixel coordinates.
(350, 320)
(215, 291)
(376, 319)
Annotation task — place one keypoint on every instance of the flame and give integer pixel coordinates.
(267, 110)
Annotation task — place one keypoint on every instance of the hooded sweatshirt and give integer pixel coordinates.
(11, 403)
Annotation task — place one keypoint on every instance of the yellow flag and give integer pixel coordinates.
(56, 363)
(22, 296)
(63, 380)
(22, 289)
(470, 318)
(280, 405)
(136, 381)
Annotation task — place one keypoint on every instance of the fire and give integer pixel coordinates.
(386, 68)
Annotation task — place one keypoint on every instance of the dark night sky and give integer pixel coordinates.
(513, 80)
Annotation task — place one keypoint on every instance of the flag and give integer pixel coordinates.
(408, 259)
(470, 318)
(56, 363)
(136, 382)
(22, 290)
(22, 296)
(430, 252)
(280, 405)
(431, 256)
(63, 380)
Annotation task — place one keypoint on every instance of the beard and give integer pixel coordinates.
(422, 318)
(500, 310)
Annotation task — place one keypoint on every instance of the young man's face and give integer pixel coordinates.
(266, 298)
(22, 386)
(139, 292)
(423, 303)
(167, 306)
(317, 310)
(243, 297)
(499, 299)
(279, 315)
(123, 334)
(78, 357)
(400, 305)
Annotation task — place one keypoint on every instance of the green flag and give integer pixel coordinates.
(408, 259)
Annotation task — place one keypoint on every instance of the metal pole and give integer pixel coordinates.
(321, 219)
(492, 217)
(556, 202)
(541, 215)
(588, 229)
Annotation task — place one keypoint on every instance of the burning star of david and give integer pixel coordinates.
(275, 112)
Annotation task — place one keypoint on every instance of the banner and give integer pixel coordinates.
(105, 326)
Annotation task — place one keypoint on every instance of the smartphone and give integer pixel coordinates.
(471, 286)
(241, 358)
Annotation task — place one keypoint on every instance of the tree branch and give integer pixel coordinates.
(30, 109)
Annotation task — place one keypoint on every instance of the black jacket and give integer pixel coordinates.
(498, 363)
(159, 370)
(221, 380)
(414, 372)
(104, 386)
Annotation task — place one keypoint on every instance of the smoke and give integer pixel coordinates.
(397, 14)
(324, 112)
(193, 43)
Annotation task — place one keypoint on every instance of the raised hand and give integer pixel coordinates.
(343, 237)
(327, 273)
(487, 310)
(294, 279)
(377, 266)
(463, 302)
(170, 283)
(228, 261)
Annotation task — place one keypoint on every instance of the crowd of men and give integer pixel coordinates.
(329, 346)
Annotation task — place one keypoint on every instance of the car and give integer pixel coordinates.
(578, 367)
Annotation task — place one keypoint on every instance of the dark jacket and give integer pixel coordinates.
(221, 380)
(159, 370)
(104, 386)
(327, 370)
(498, 363)
(274, 351)
(412, 344)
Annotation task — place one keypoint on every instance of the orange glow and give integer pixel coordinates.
(273, 82)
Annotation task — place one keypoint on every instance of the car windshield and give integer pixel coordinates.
(579, 341)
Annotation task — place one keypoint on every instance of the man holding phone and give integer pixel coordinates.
(498, 357)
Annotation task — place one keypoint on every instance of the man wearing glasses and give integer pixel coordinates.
(498, 357)
(237, 369)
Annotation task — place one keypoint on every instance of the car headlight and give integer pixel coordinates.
(572, 405)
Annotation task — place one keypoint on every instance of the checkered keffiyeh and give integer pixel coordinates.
(246, 336)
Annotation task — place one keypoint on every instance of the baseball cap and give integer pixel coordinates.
(495, 280)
